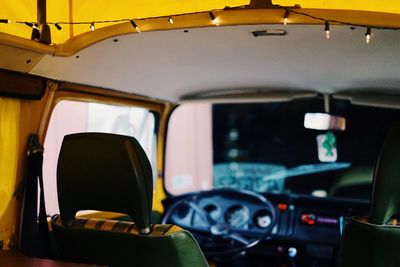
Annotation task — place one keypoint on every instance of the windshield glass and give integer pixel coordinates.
(265, 147)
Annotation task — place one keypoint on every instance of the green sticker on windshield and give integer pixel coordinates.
(327, 150)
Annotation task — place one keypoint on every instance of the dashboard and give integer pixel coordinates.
(237, 214)
(306, 229)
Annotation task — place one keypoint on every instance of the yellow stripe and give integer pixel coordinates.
(173, 229)
(9, 145)
(164, 229)
(134, 231)
(158, 230)
(108, 225)
(90, 224)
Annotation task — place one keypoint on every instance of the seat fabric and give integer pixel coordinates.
(112, 173)
(367, 244)
(117, 243)
(374, 241)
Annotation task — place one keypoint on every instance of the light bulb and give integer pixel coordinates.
(368, 36)
(214, 20)
(286, 17)
(327, 30)
(135, 26)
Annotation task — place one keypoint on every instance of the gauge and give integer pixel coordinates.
(262, 218)
(213, 211)
(237, 216)
(182, 211)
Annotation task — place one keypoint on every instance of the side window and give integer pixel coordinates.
(75, 117)
(189, 149)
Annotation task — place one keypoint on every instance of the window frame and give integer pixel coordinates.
(82, 93)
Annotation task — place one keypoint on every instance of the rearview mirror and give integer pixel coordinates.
(324, 121)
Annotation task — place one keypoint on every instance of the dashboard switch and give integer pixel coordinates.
(282, 206)
(309, 219)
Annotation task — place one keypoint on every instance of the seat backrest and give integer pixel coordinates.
(375, 240)
(385, 201)
(109, 172)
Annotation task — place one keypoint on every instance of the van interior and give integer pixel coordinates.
(210, 133)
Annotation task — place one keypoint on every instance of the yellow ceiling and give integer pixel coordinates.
(94, 10)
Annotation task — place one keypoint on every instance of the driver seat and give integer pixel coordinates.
(108, 172)
(375, 240)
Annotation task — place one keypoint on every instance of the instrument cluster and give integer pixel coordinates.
(234, 214)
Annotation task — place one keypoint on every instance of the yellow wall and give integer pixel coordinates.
(74, 10)
(20, 118)
(9, 131)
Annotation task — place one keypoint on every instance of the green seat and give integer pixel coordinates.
(108, 172)
(375, 240)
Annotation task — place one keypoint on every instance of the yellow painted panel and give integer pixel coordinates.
(389, 6)
(9, 130)
(122, 9)
(17, 10)
(59, 11)
(159, 195)
(91, 10)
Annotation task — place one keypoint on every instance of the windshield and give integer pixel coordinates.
(265, 177)
(265, 147)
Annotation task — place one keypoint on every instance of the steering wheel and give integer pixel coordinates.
(214, 235)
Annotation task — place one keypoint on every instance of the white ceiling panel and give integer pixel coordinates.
(171, 64)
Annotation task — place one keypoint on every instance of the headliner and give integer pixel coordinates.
(169, 65)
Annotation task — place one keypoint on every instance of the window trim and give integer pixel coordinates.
(160, 109)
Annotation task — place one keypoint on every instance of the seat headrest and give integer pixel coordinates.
(385, 201)
(105, 172)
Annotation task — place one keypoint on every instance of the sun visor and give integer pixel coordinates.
(374, 98)
(247, 96)
(19, 85)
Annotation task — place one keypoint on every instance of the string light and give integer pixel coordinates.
(368, 35)
(286, 17)
(213, 18)
(135, 26)
(31, 25)
(327, 29)
(58, 26)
